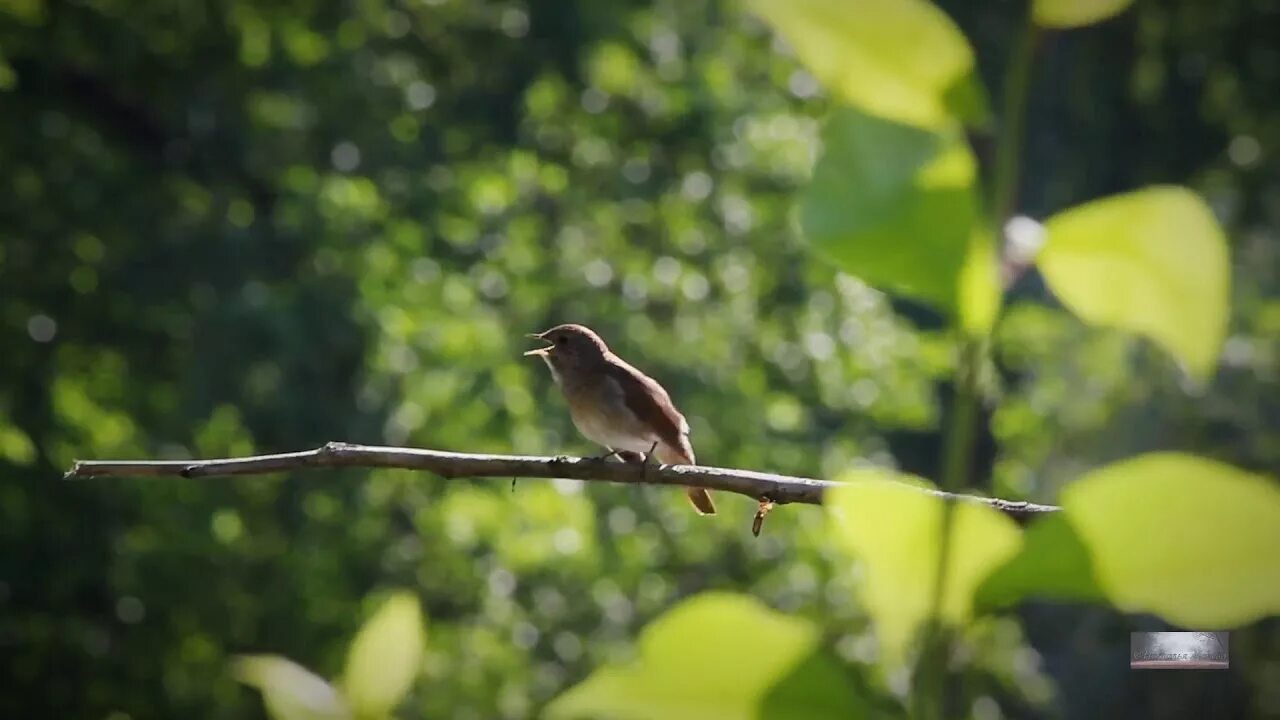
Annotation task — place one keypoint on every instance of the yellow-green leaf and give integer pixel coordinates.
(1075, 13)
(290, 691)
(717, 655)
(1190, 539)
(896, 206)
(384, 657)
(896, 532)
(903, 60)
(1153, 262)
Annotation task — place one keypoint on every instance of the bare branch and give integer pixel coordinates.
(779, 489)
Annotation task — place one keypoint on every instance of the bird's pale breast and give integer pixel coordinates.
(600, 413)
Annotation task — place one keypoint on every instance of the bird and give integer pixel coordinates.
(615, 405)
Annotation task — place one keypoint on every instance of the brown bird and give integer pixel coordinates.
(616, 405)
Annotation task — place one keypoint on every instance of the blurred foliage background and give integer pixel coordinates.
(254, 226)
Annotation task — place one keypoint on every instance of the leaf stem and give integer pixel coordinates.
(1013, 117)
(930, 698)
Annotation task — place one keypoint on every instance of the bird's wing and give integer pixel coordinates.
(654, 407)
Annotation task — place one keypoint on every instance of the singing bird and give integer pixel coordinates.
(616, 405)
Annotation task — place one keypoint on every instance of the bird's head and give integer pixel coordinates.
(570, 347)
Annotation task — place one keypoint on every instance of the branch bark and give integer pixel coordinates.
(780, 489)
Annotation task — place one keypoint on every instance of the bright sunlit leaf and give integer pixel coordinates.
(1153, 262)
(290, 691)
(902, 60)
(895, 531)
(896, 207)
(384, 657)
(717, 655)
(1190, 539)
(1075, 13)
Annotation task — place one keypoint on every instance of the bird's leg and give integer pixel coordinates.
(606, 456)
(647, 457)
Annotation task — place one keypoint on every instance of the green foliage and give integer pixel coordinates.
(1075, 13)
(895, 531)
(1052, 562)
(1174, 535)
(1153, 262)
(258, 227)
(290, 691)
(382, 663)
(15, 446)
(1180, 536)
(718, 655)
(384, 657)
(902, 60)
(894, 205)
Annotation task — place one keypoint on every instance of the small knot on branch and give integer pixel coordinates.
(334, 448)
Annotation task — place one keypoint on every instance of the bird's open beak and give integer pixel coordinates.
(537, 352)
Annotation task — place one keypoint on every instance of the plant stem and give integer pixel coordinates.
(930, 693)
(1013, 120)
(958, 448)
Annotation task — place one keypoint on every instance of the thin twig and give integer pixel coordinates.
(780, 489)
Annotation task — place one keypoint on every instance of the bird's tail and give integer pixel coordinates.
(701, 500)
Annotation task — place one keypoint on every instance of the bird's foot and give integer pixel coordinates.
(648, 457)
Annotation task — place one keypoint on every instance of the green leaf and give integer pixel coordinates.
(1053, 561)
(902, 60)
(895, 206)
(1187, 538)
(1152, 262)
(290, 691)
(384, 657)
(1075, 13)
(717, 655)
(896, 531)
(967, 99)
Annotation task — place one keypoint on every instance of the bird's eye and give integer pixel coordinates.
(560, 340)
